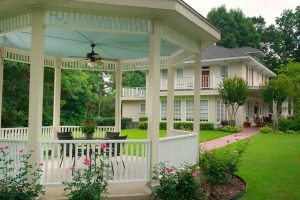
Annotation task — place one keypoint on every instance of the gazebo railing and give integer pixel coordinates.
(178, 149)
(128, 160)
(77, 131)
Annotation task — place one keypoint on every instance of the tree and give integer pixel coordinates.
(236, 29)
(275, 92)
(234, 92)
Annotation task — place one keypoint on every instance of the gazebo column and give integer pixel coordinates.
(57, 97)
(153, 92)
(36, 83)
(170, 98)
(197, 86)
(1, 80)
(118, 115)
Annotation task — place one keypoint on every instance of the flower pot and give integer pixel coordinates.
(88, 136)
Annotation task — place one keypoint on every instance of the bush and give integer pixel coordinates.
(278, 132)
(15, 184)
(110, 121)
(292, 132)
(178, 125)
(143, 119)
(218, 165)
(289, 124)
(266, 129)
(231, 129)
(125, 122)
(177, 184)
(226, 122)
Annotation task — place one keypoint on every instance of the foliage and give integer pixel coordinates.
(233, 91)
(289, 124)
(231, 129)
(143, 119)
(218, 166)
(89, 127)
(134, 79)
(236, 29)
(178, 125)
(90, 182)
(176, 184)
(266, 129)
(16, 184)
(227, 122)
(110, 121)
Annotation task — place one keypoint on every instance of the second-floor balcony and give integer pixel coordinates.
(185, 83)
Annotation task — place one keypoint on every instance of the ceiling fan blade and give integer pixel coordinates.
(99, 62)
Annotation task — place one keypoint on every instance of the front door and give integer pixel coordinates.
(205, 79)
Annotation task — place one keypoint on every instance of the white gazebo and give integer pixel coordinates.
(143, 35)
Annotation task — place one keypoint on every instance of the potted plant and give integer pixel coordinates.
(88, 128)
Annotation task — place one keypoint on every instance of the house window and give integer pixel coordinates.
(164, 74)
(203, 110)
(189, 110)
(177, 110)
(142, 108)
(163, 110)
(221, 111)
(224, 71)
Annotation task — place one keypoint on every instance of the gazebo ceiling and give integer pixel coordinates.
(64, 43)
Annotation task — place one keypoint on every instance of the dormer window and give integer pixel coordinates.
(224, 71)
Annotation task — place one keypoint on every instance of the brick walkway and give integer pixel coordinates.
(223, 141)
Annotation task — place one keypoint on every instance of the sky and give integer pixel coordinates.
(269, 9)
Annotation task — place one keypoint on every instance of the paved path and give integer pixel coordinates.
(223, 141)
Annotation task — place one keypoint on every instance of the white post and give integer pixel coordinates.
(153, 92)
(118, 98)
(36, 83)
(57, 96)
(147, 93)
(1, 80)
(170, 98)
(197, 70)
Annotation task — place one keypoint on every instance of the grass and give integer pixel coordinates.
(271, 167)
(205, 135)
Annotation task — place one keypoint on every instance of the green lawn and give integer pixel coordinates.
(142, 134)
(271, 167)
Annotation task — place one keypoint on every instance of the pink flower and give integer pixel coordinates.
(1, 148)
(87, 161)
(21, 151)
(31, 151)
(6, 147)
(194, 174)
(103, 146)
(72, 168)
(248, 139)
(41, 164)
(169, 169)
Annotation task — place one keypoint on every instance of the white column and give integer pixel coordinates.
(118, 98)
(153, 91)
(147, 93)
(197, 79)
(1, 80)
(170, 98)
(57, 96)
(36, 83)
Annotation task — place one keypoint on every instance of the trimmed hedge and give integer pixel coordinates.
(178, 125)
(231, 129)
(143, 119)
(266, 129)
(289, 124)
(110, 121)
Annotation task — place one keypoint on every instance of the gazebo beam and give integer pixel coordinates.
(57, 97)
(170, 99)
(1, 80)
(154, 91)
(36, 83)
(118, 98)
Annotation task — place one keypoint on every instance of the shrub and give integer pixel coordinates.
(278, 132)
(266, 129)
(183, 125)
(143, 119)
(125, 122)
(207, 126)
(292, 132)
(91, 181)
(289, 124)
(144, 125)
(226, 122)
(177, 184)
(231, 129)
(110, 121)
(178, 125)
(15, 184)
(163, 126)
(218, 165)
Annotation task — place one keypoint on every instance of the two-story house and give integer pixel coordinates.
(218, 63)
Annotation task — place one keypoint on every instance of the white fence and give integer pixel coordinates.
(134, 92)
(128, 160)
(47, 132)
(180, 149)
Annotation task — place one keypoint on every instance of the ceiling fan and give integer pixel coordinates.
(93, 58)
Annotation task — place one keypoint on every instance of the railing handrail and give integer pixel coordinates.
(177, 137)
(13, 140)
(92, 141)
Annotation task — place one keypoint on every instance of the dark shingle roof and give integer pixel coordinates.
(215, 52)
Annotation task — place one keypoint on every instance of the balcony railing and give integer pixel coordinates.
(134, 92)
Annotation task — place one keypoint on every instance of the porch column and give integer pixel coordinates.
(57, 96)
(36, 83)
(1, 80)
(118, 98)
(197, 84)
(147, 93)
(170, 98)
(153, 92)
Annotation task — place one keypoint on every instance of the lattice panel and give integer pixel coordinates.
(141, 64)
(90, 22)
(82, 65)
(15, 23)
(171, 35)
(17, 55)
